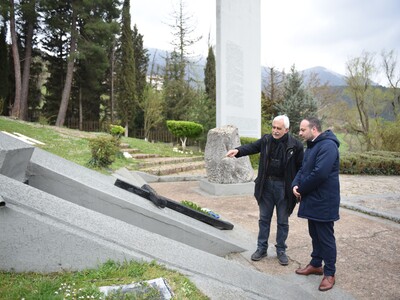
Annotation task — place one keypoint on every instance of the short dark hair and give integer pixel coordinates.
(314, 122)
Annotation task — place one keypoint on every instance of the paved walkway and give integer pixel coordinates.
(368, 265)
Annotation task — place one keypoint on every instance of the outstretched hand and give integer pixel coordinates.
(232, 153)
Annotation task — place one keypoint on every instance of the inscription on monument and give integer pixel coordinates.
(234, 74)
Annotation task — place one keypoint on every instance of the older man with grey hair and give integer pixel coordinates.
(281, 156)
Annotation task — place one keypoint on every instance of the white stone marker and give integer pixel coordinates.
(239, 66)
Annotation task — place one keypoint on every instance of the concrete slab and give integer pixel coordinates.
(90, 189)
(43, 233)
(14, 157)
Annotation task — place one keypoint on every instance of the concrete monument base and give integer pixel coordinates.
(219, 189)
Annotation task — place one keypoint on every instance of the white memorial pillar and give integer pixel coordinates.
(239, 66)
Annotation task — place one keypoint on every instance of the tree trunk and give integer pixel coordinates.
(183, 141)
(26, 73)
(112, 100)
(70, 72)
(16, 109)
(126, 129)
(80, 110)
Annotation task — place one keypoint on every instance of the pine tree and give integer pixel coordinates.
(97, 29)
(178, 92)
(29, 18)
(297, 103)
(4, 71)
(93, 24)
(272, 94)
(56, 22)
(16, 108)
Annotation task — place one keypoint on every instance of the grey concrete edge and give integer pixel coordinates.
(374, 213)
(149, 178)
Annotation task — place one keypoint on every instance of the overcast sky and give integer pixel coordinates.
(306, 33)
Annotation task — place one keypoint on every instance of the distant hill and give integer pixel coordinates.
(325, 75)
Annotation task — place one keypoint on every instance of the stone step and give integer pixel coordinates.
(143, 156)
(168, 169)
(156, 161)
(124, 145)
(130, 150)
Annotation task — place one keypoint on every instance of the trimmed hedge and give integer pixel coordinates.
(363, 163)
(370, 163)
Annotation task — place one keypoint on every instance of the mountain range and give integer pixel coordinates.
(325, 76)
(157, 56)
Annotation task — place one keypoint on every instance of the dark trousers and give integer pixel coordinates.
(273, 196)
(324, 246)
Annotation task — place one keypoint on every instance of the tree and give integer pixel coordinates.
(203, 112)
(272, 94)
(56, 21)
(182, 32)
(16, 108)
(97, 29)
(298, 102)
(152, 109)
(70, 67)
(127, 98)
(141, 63)
(210, 81)
(29, 15)
(4, 71)
(177, 88)
(359, 71)
(77, 37)
(184, 130)
(392, 72)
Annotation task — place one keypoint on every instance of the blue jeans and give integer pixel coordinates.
(324, 246)
(273, 195)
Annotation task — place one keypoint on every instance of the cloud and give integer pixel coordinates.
(306, 33)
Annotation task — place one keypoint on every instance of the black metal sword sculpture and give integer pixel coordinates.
(149, 193)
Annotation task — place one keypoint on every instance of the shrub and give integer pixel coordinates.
(103, 150)
(391, 136)
(370, 163)
(116, 130)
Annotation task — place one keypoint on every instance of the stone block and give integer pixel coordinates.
(14, 157)
(222, 169)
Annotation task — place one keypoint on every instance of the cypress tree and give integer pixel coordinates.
(210, 76)
(127, 98)
(141, 64)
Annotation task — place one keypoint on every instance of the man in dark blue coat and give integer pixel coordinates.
(280, 159)
(316, 186)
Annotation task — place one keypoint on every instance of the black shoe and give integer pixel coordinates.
(256, 256)
(283, 259)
